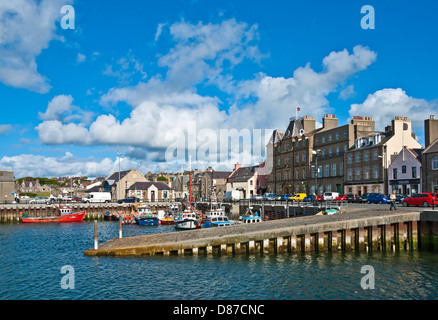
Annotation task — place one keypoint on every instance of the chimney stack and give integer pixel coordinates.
(329, 121)
(430, 130)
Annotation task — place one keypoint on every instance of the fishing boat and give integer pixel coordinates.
(145, 217)
(168, 218)
(187, 221)
(64, 215)
(250, 217)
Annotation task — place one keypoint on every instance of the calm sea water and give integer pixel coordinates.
(31, 258)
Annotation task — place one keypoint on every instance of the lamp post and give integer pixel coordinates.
(118, 183)
(315, 152)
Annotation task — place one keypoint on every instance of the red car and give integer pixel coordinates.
(420, 199)
(320, 197)
(341, 197)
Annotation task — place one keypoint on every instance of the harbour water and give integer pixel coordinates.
(31, 258)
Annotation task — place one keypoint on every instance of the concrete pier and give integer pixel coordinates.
(358, 231)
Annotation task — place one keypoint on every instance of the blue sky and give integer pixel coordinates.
(132, 71)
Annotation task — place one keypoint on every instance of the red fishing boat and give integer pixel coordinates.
(65, 215)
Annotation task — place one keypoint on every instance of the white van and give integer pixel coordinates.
(97, 197)
(233, 195)
(330, 196)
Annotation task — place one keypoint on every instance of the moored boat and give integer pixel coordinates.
(216, 221)
(187, 221)
(64, 215)
(145, 217)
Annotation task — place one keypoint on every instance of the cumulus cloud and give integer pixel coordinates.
(26, 28)
(383, 105)
(205, 54)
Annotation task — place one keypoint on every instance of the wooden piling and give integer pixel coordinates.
(95, 235)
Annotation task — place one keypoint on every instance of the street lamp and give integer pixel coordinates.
(118, 183)
(315, 152)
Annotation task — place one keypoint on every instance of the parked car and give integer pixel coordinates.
(40, 200)
(330, 196)
(308, 198)
(269, 196)
(283, 197)
(364, 197)
(257, 197)
(378, 198)
(298, 197)
(129, 200)
(352, 198)
(400, 197)
(320, 197)
(420, 199)
(76, 199)
(341, 197)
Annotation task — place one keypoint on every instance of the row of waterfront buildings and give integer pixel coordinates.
(351, 158)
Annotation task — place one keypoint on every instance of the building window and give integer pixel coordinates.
(304, 174)
(366, 173)
(330, 152)
(414, 172)
(330, 137)
(323, 153)
(327, 170)
(298, 158)
(341, 168)
(350, 174)
(350, 158)
(394, 173)
(376, 155)
(357, 174)
(323, 139)
(304, 157)
(376, 173)
(337, 150)
(337, 135)
(333, 169)
(358, 158)
(435, 163)
(320, 172)
(403, 169)
(367, 156)
(345, 147)
(345, 134)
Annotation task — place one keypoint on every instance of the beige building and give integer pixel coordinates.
(367, 162)
(119, 187)
(151, 191)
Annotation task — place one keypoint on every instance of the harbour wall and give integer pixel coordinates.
(381, 230)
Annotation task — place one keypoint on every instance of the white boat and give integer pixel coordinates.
(187, 221)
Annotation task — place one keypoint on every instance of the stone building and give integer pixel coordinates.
(366, 163)
(119, 187)
(247, 180)
(216, 181)
(151, 191)
(306, 157)
(429, 157)
(7, 187)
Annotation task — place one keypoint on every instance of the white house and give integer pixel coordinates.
(404, 172)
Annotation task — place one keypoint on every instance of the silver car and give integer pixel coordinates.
(40, 200)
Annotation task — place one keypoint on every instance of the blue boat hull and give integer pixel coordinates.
(147, 222)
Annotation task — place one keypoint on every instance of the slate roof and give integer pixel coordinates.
(147, 185)
(433, 147)
(243, 174)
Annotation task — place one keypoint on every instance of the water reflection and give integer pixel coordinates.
(32, 256)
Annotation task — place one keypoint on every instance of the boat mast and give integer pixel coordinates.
(190, 181)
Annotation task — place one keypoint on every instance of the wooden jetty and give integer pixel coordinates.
(354, 230)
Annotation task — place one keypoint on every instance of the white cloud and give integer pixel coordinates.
(26, 28)
(80, 58)
(40, 166)
(383, 105)
(125, 68)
